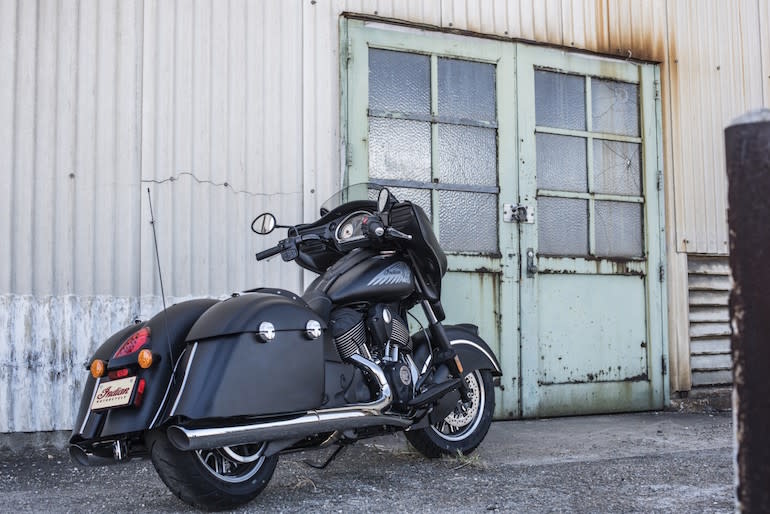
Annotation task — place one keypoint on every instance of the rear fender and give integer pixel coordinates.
(167, 342)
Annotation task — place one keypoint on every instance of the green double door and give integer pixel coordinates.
(539, 171)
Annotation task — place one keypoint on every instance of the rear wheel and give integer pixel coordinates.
(215, 479)
(465, 427)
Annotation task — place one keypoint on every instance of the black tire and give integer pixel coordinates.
(463, 430)
(211, 479)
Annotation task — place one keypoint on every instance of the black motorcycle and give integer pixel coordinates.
(214, 391)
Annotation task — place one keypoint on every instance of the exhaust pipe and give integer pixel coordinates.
(343, 418)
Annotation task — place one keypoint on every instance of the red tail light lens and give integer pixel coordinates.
(120, 373)
(139, 392)
(133, 343)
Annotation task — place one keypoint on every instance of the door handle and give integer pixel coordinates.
(531, 266)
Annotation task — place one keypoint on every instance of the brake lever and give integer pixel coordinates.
(397, 234)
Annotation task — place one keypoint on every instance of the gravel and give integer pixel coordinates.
(662, 462)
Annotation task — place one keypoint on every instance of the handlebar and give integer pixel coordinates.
(269, 252)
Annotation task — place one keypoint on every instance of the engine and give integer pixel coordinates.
(380, 335)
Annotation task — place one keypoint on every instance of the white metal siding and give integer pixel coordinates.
(222, 100)
(709, 285)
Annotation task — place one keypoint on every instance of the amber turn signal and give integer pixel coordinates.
(98, 367)
(145, 358)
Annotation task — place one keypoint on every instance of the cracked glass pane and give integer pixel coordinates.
(560, 100)
(618, 229)
(561, 162)
(467, 221)
(617, 168)
(562, 226)
(399, 149)
(467, 155)
(466, 89)
(615, 107)
(399, 81)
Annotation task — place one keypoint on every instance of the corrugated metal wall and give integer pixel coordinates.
(98, 99)
(101, 99)
(69, 213)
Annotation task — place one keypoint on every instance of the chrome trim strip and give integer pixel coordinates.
(184, 380)
(88, 413)
(464, 341)
(168, 389)
(478, 347)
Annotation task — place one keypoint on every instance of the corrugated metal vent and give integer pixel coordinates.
(709, 284)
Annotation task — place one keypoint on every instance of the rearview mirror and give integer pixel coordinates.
(263, 224)
(382, 199)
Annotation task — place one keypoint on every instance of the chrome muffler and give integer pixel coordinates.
(312, 422)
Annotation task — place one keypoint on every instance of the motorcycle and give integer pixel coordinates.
(214, 391)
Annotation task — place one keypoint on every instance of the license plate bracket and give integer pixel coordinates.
(115, 393)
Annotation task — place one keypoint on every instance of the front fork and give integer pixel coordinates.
(446, 353)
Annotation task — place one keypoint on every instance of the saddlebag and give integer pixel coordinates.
(230, 370)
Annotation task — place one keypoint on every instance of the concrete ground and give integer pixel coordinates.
(661, 462)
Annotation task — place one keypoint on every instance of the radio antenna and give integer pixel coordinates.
(160, 278)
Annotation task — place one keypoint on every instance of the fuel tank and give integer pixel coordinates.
(376, 278)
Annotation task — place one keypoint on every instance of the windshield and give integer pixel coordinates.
(361, 191)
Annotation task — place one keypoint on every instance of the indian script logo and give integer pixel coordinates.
(397, 273)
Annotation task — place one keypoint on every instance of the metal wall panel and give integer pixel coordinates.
(69, 211)
(764, 29)
(715, 75)
(221, 141)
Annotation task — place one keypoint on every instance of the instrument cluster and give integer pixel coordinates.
(350, 229)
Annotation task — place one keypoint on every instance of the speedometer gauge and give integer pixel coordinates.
(346, 231)
(349, 229)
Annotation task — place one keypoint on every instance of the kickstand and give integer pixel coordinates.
(322, 465)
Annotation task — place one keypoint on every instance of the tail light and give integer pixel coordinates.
(119, 373)
(139, 392)
(133, 343)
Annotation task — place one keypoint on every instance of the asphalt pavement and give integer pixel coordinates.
(646, 462)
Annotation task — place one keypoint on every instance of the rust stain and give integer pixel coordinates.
(621, 34)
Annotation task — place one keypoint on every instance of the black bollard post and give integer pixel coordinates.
(747, 143)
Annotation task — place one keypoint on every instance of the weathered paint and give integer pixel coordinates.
(45, 348)
(747, 146)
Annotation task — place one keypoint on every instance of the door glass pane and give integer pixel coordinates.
(615, 107)
(560, 100)
(618, 229)
(399, 149)
(399, 81)
(466, 89)
(468, 221)
(561, 162)
(563, 226)
(467, 155)
(617, 168)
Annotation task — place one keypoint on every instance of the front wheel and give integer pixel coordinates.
(216, 479)
(465, 427)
